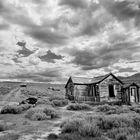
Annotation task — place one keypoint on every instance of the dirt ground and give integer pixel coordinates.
(27, 129)
(35, 130)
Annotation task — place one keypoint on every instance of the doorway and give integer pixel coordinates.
(111, 91)
(133, 92)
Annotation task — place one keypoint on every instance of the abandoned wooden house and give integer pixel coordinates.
(102, 88)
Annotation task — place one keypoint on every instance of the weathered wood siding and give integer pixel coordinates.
(84, 92)
(131, 97)
(104, 89)
(70, 90)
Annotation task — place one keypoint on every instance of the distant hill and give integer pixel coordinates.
(130, 79)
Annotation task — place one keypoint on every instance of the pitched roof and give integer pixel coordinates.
(126, 85)
(128, 81)
(81, 80)
(94, 80)
(99, 78)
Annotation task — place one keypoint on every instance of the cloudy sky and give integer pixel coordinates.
(49, 40)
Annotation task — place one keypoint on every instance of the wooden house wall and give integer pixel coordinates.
(84, 92)
(70, 90)
(136, 97)
(104, 90)
(126, 96)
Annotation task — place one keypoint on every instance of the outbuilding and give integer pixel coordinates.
(103, 88)
(131, 93)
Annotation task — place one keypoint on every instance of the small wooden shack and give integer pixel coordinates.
(97, 89)
(131, 93)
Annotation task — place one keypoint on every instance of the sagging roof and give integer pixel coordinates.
(127, 85)
(94, 80)
(81, 80)
(99, 78)
(128, 82)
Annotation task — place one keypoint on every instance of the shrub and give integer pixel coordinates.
(105, 108)
(114, 121)
(29, 114)
(14, 109)
(41, 114)
(121, 131)
(89, 129)
(10, 136)
(25, 107)
(60, 103)
(79, 107)
(114, 126)
(4, 90)
(57, 97)
(134, 137)
(44, 101)
(135, 108)
(121, 136)
(49, 111)
(3, 126)
(72, 136)
(52, 136)
(72, 125)
(113, 109)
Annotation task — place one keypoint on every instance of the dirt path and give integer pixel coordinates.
(54, 126)
(65, 114)
(11, 94)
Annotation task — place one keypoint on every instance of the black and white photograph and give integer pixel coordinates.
(69, 69)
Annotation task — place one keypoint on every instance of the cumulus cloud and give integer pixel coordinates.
(24, 51)
(47, 35)
(103, 55)
(93, 35)
(123, 10)
(50, 57)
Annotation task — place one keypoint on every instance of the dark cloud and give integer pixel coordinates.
(4, 26)
(44, 32)
(46, 35)
(25, 52)
(102, 56)
(50, 73)
(91, 24)
(15, 15)
(123, 10)
(44, 76)
(74, 3)
(51, 57)
(39, 1)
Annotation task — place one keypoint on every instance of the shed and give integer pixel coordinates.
(131, 93)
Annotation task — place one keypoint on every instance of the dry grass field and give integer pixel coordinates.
(55, 118)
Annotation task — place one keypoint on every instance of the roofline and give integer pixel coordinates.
(68, 81)
(70, 78)
(132, 84)
(111, 75)
(84, 83)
